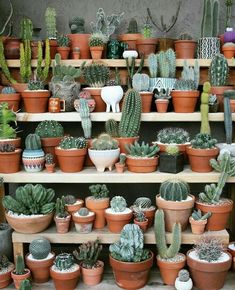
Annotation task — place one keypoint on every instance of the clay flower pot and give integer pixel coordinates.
(130, 39)
(75, 54)
(163, 146)
(219, 92)
(150, 214)
(83, 224)
(96, 52)
(20, 87)
(62, 224)
(208, 276)
(11, 47)
(64, 52)
(97, 206)
(19, 278)
(71, 208)
(185, 49)
(104, 158)
(228, 51)
(138, 271)
(5, 278)
(199, 159)
(49, 144)
(175, 211)
(197, 226)
(71, 160)
(142, 165)
(100, 105)
(53, 47)
(146, 99)
(119, 167)
(143, 225)
(184, 101)
(16, 142)
(117, 220)
(50, 168)
(146, 46)
(40, 269)
(10, 161)
(35, 101)
(13, 100)
(220, 213)
(162, 105)
(169, 270)
(92, 277)
(123, 141)
(81, 41)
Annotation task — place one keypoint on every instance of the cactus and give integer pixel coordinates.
(185, 36)
(25, 61)
(7, 147)
(209, 248)
(49, 129)
(210, 19)
(76, 25)
(4, 262)
(104, 142)
(50, 19)
(25, 285)
(229, 4)
(197, 215)
(153, 65)
(19, 266)
(228, 122)
(140, 82)
(191, 73)
(130, 247)
(171, 58)
(64, 261)
(70, 199)
(99, 191)
(218, 71)
(118, 204)
(122, 158)
(132, 26)
(174, 189)
(183, 275)
(185, 85)
(211, 101)
(160, 235)
(96, 75)
(73, 143)
(43, 71)
(97, 39)
(88, 254)
(8, 90)
(203, 141)
(130, 66)
(83, 211)
(85, 117)
(147, 29)
(143, 202)
(111, 128)
(60, 211)
(63, 41)
(131, 114)
(35, 85)
(162, 94)
(139, 215)
(172, 149)
(142, 150)
(204, 108)
(40, 248)
(173, 136)
(33, 142)
(26, 29)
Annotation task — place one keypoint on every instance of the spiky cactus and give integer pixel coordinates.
(25, 285)
(185, 85)
(173, 136)
(140, 82)
(85, 117)
(143, 202)
(97, 39)
(70, 199)
(4, 66)
(130, 66)
(63, 40)
(172, 149)
(104, 142)
(111, 128)
(4, 262)
(76, 25)
(25, 61)
(153, 65)
(118, 204)
(8, 90)
(33, 142)
(99, 191)
(162, 94)
(132, 26)
(191, 72)
(73, 143)
(171, 58)
(164, 65)
(147, 29)
(40, 248)
(60, 211)
(204, 108)
(174, 189)
(19, 266)
(122, 158)
(49, 129)
(210, 19)
(26, 29)
(142, 150)
(96, 75)
(209, 248)
(83, 211)
(50, 19)
(35, 85)
(42, 71)
(64, 261)
(218, 71)
(198, 216)
(183, 275)
(203, 141)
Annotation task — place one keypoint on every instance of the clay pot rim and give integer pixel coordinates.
(133, 263)
(220, 90)
(29, 216)
(142, 158)
(129, 36)
(183, 94)
(232, 47)
(16, 152)
(161, 101)
(197, 222)
(65, 275)
(83, 219)
(170, 264)
(67, 218)
(93, 90)
(202, 152)
(96, 48)
(143, 222)
(146, 93)
(36, 94)
(65, 48)
(175, 205)
(93, 271)
(70, 152)
(110, 150)
(39, 262)
(185, 41)
(10, 97)
(119, 216)
(227, 206)
(146, 41)
(50, 141)
(13, 275)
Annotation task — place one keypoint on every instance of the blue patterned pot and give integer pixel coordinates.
(161, 83)
(33, 160)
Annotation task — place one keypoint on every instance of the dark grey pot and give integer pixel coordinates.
(6, 240)
(171, 163)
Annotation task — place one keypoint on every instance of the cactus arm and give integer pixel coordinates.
(228, 123)
(174, 248)
(160, 234)
(3, 64)
(39, 61)
(207, 22)
(46, 68)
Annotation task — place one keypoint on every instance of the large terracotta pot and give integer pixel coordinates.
(29, 225)
(35, 101)
(100, 105)
(208, 276)
(19, 278)
(13, 100)
(71, 208)
(84, 224)
(146, 46)
(169, 270)
(16, 142)
(142, 165)
(199, 159)
(10, 161)
(130, 275)
(96, 52)
(11, 48)
(175, 211)
(197, 226)
(219, 92)
(93, 276)
(117, 221)
(71, 160)
(146, 99)
(130, 39)
(98, 206)
(20, 87)
(150, 214)
(53, 48)
(49, 144)
(40, 269)
(123, 141)
(62, 224)
(220, 214)
(81, 41)
(64, 52)
(5, 278)
(184, 101)
(185, 49)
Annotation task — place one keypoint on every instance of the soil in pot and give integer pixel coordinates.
(146, 46)
(117, 220)
(62, 224)
(100, 105)
(36, 101)
(19, 278)
(197, 226)
(123, 141)
(146, 98)
(171, 163)
(98, 206)
(83, 224)
(5, 276)
(93, 276)
(185, 49)
(142, 165)
(10, 161)
(184, 101)
(13, 100)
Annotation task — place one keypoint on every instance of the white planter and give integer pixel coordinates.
(112, 95)
(129, 54)
(104, 158)
(179, 285)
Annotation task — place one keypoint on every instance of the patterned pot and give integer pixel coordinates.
(33, 160)
(208, 47)
(161, 83)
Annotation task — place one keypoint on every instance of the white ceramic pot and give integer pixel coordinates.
(112, 95)
(104, 158)
(130, 53)
(179, 285)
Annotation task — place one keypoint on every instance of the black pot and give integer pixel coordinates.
(171, 163)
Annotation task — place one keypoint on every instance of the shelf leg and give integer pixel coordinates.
(232, 216)
(18, 249)
(2, 194)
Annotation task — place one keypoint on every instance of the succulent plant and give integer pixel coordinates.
(174, 189)
(6, 117)
(153, 65)
(4, 262)
(212, 100)
(49, 129)
(130, 66)
(96, 75)
(25, 285)
(218, 71)
(132, 26)
(173, 136)
(19, 265)
(204, 108)
(203, 141)
(172, 149)
(198, 216)
(104, 142)
(63, 41)
(26, 29)
(8, 90)
(49, 158)
(185, 85)
(76, 25)
(97, 39)
(64, 261)
(70, 199)
(111, 128)
(139, 215)
(162, 94)
(210, 25)
(118, 204)
(60, 211)
(191, 72)
(99, 191)
(143, 202)
(83, 211)
(35, 85)
(122, 158)
(73, 143)
(142, 150)
(84, 111)
(147, 29)
(140, 82)
(33, 142)
(40, 248)
(50, 19)
(7, 147)
(183, 275)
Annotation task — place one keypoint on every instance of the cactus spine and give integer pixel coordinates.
(25, 61)
(210, 19)
(204, 108)
(219, 70)
(174, 189)
(85, 117)
(111, 128)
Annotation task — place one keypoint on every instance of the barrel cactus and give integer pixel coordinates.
(8, 90)
(143, 202)
(183, 275)
(174, 190)
(73, 143)
(83, 211)
(96, 75)
(118, 204)
(64, 261)
(49, 129)
(33, 142)
(70, 199)
(40, 248)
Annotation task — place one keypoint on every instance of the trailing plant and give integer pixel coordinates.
(96, 75)
(97, 39)
(218, 71)
(198, 216)
(6, 117)
(4, 262)
(50, 19)
(118, 204)
(132, 26)
(63, 40)
(40, 248)
(142, 150)
(99, 191)
(203, 141)
(183, 275)
(204, 108)
(185, 85)
(35, 85)
(60, 211)
(172, 150)
(85, 117)
(77, 25)
(162, 94)
(191, 72)
(49, 129)
(104, 142)
(25, 285)
(7, 147)
(83, 211)
(19, 265)
(33, 142)
(140, 82)
(64, 261)
(210, 19)
(26, 29)
(70, 199)
(73, 143)
(173, 136)
(174, 189)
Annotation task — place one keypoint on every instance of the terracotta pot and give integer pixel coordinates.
(64, 52)
(142, 165)
(50, 168)
(88, 161)
(208, 276)
(62, 224)
(228, 51)
(124, 141)
(220, 214)
(20, 88)
(150, 214)
(185, 49)
(117, 221)
(29, 225)
(49, 144)
(100, 105)
(10, 161)
(199, 159)
(146, 99)
(34, 48)
(5, 278)
(93, 276)
(231, 249)
(176, 212)
(232, 106)
(15, 142)
(96, 52)
(165, 43)
(19, 278)
(162, 105)
(71, 208)
(197, 226)
(71, 160)
(11, 48)
(35, 101)
(129, 275)
(146, 46)
(13, 100)
(53, 48)
(184, 101)
(119, 167)
(65, 280)
(98, 206)
(83, 224)
(143, 225)
(130, 39)
(75, 55)
(169, 270)
(40, 269)
(81, 41)
(219, 92)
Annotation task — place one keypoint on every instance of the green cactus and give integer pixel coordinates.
(183, 275)
(228, 121)
(143, 202)
(25, 61)
(64, 261)
(83, 211)
(164, 65)
(25, 285)
(153, 65)
(203, 141)
(218, 71)
(171, 58)
(111, 128)
(85, 118)
(209, 248)
(197, 215)
(35, 85)
(122, 158)
(96, 75)
(229, 4)
(50, 19)
(70, 199)
(63, 40)
(19, 266)
(132, 26)
(99, 191)
(140, 82)
(33, 142)
(191, 72)
(130, 66)
(118, 204)
(160, 235)
(60, 211)
(73, 143)
(76, 25)
(40, 248)
(4, 262)
(142, 150)
(173, 136)
(204, 108)
(97, 39)
(172, 149)
(49, 129)
(43, 71)
(174, 189)
(26, 29)
(104, 142)
(210, 19)
(162, 94)
(185, 85)
(147, 29)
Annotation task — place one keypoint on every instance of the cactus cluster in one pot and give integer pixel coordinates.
(145, 204)
(20, 273)
(10, 158)
(72, 204)
(5, 271)
(83, 220)
(62, 217)
(198, 221)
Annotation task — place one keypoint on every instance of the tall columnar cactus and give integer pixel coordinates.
(85, 117)
(73, 143)
(33, 142)
(25, 61)
(140, 82)
(228, 121)
(26, 29)
(96, 75)
(4, 262)
(153, 65)
(160, 235)
(50, 19)
(6, 117)
(49, 129)
(129, 125)
(132, 26)
(204, 108)
(64, 261)
(174, 189)
(118, 204)
(40, 248)
(164, 65)
(111, 128)
(43, 71)
(218, 71)
(171, 58)
(19, 266)
(130, 65)
(210, 19)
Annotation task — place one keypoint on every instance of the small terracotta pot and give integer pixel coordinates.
(220, 214)
(231, 250)
(19, 278)
(49, 144)
(146, 99)
(119, 167)
(13, 100)
(53, 48)
(40, 269)
(96, 52)
(185, 49)
(16, 142)
(150, 214)
(228, 51)
(197, 226)
(130, 39)
(71, 208)
(169, 270)
(142, 165)
(75, 55)
(10, 161)
(143, 225)
(50, 168)
(93, 276)
(62, 224)
(199, 159)
(34, 48)
(219, 92)
(162, 105)
(65, 280)
(122, 141)
(146, 46)
(5, 278)
(35, 101)
(80, 40)
(83, 224)
(116, 222)
(184, 101)
(88, 161)
(100, 105)
(20, 87)
(98, 206)
(64, 52)
(176, 212)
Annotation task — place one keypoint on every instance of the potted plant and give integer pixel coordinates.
(120, 166)
(140, 219)
(142, 157)
(132, 35)
(76, 53)
(30, 210)
(183, 281)
(118, 215)
(145, 204)
(33, 156)
(201, 150)
(96, 43)
(208, 263)
(72, 204)
(92, 269)
(40, 259)
(61, 218)
(172, 160)
(162, 100)
(63, 46)
(51, 31)
(10, 158)
(71, 153)
(175, 200)
(25, 285)
(228, 50)
(20, 273)
(169, 260)
(98, 202)
(104, 152)
(83, 220)
(49, 163)
(6, 268)
(210, 200)
(11, 97)
(65, 272)
(231, 249)
(185, 47)
(135, 263)
(198, 221)
(213, 104)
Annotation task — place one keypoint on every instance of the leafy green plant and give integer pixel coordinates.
(203, 141)
(99, 191)
(173, 136)
(142, 150)
(147, 29)
(209, 248)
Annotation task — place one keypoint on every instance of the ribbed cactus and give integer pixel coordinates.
(140, 82)
(99, 191)
(130, 66)
(203, 141)
(122, 158)
(8, 90)
(129, 125)
(204, 108)
(147, 29)
(83, 211)
(25, 285)
(132, 26)
(198, 216)
(153, 65)
(49, 129)
(73, 143)
(218, 71)
(104, 142)
(118, 204)
(64, 261)
(185, 85)
(35, 85)
(33, 142)
(50, 19)
(25, 61)
(142, 150)
(63, 40)
(76, 25)
(174, 189)
(164, 65)
(85, 117)
(160, 235)
(97, 39)
(4, 66)
(173, 136)
(111, 128)
(40, 248)
(60, 211)
(19, 265)
(70, 199)
(42, 70)
(210, 19)
(171, 58)
(143, 202)
(26, 29)
(183, 275)
(96, 75)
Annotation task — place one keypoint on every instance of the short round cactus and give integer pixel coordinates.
(183, 275)
(83, 211)
(40, 248)
(172, 149)
(70, 199)
(118, 204)
(8, 90)
(174, 189)
(49, 129)
(143, 202)
(104, 142)
(64, 261)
